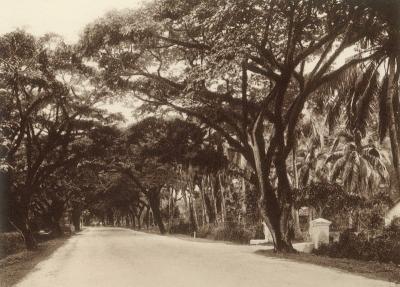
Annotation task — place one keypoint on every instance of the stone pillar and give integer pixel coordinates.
(319, 231)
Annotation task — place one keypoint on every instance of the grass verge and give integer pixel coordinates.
(14, 267)
(374, 270)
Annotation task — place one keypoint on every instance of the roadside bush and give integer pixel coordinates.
(396, 223)
(204, 231)
(181, 228)
(228, 232)
(10, 242)
(232, 233)
(382, 248)
(258, 232)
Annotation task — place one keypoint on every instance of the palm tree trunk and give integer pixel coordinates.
(214, 200)
(155, 201)
(170, 208)
(223, 209)
(295, 212)
(193, 214)
(205, 217)
(392, 123)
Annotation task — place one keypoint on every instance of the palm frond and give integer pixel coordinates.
(356, 93)
(340, 89)
(341, 135)
(378, 165)
(334, 156)
(364, 104)
(335, 111)
(362, 84)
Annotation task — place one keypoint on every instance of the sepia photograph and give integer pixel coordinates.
(201, 143)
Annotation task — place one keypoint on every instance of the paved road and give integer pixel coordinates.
(118, 257)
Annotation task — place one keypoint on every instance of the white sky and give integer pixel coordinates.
(64, 17)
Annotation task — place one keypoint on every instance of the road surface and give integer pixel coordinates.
(119, 257)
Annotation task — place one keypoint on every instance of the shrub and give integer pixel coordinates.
(204, 231)
(382, 248)
(396, 222)
(10, 242)
(232, 233)
(182, 228)
(259, 232)
(228, 232)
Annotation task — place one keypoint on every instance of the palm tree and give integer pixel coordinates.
(372, 87)
(349, 156)
(361, 170)
(384, 43)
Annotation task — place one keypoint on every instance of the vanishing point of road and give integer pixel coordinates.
(120, 257)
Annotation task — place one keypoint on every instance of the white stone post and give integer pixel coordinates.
(319, 231)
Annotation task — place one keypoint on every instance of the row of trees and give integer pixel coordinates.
(48, 120)
(249, 104)
(164, 171)
(247, 69)
(59, 152)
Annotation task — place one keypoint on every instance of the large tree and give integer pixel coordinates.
(48, 107)
(244, 68)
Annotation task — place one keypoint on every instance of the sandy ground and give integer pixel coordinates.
(119, 257)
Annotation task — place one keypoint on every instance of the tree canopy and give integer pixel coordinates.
(241, 102)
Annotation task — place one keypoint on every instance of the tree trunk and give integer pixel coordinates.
(133, 220)
(158, 220)
(205, 218)
(185, 197)
(140, 217)
(275, 214)
(23, 228)
(139, 226)
(208, 203)
(76, 218)
(222, 189)
(171, 207)
(29, 239)
(56, 228)
(194, 213)
(154, 200)
(295, 212)
(392, 123)
(214, 200)
(110, 217)
(147, 217)
(195, 221)
(242, 217)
